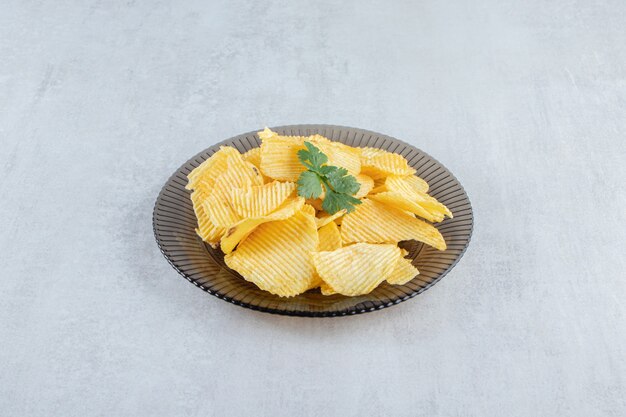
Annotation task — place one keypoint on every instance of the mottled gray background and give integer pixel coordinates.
(100, 101)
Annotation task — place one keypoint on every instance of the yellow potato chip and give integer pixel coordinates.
(209, 170)
(277, 256)
(329, 240)
(431, 204)
(338, 154)
(376, 222)
(378, 163)
(326, 289)
(366, 185)
(379, 185)
(403, 202)
(356, 269)
(267, 133)
(324, 220)
(403, 272)
(315, 139)
(206, 230)
(253, 156)
(405, 184)
(239, 231)
(279, 158)
(374, 173)
(315, 282)
(309, 210)
(329, 237)
(260, 200)
(238, 174)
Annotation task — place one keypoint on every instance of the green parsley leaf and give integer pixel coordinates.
(334, 202)
(309, 185)
(338, 184)
(342, 182)
(312, 157)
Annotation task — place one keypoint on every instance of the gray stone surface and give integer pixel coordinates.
(101, 101)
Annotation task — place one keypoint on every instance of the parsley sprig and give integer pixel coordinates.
(335, 181)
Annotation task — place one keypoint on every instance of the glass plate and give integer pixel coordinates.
(174, 226)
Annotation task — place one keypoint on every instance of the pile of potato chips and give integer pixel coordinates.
(247, 204)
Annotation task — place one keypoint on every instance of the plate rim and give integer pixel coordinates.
(303, 313)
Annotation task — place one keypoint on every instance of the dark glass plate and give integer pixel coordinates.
(174, 225)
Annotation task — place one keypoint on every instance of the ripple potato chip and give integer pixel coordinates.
(403, 272)
(431, 204)
(206, 230)
(326, 289)
(405, 184)
(329, 237)
(259, 200)
(208, 171)
(339, 154)
(376, 222)
(239, 231)
(253, 156)
(356, 269)
(366, 184)
(400, 201)
(238, 174)
(279, 158)
(324, 220)
(277, 256)
(378, 163)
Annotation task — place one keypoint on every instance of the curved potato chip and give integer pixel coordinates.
(356, 269)
(207, 231)
(324, 220)
(403, 272)
(329, 240)
(219, 210)
(374, 173)
(326, 289)
(376, 222)
(209, 170)
(309, 210)
(238, 174)
(431, 204)
(338, 154)
(315, 139)
(405, 184)
(329, 237)
(260, 200)
(253, 156)
(378, 163)
(400, 201)
(366, 185)
(266, 133)
(277, 256)
(379, 185)
(279, 158)
(239, 231)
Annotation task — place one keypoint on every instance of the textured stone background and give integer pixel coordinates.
(100, 101)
